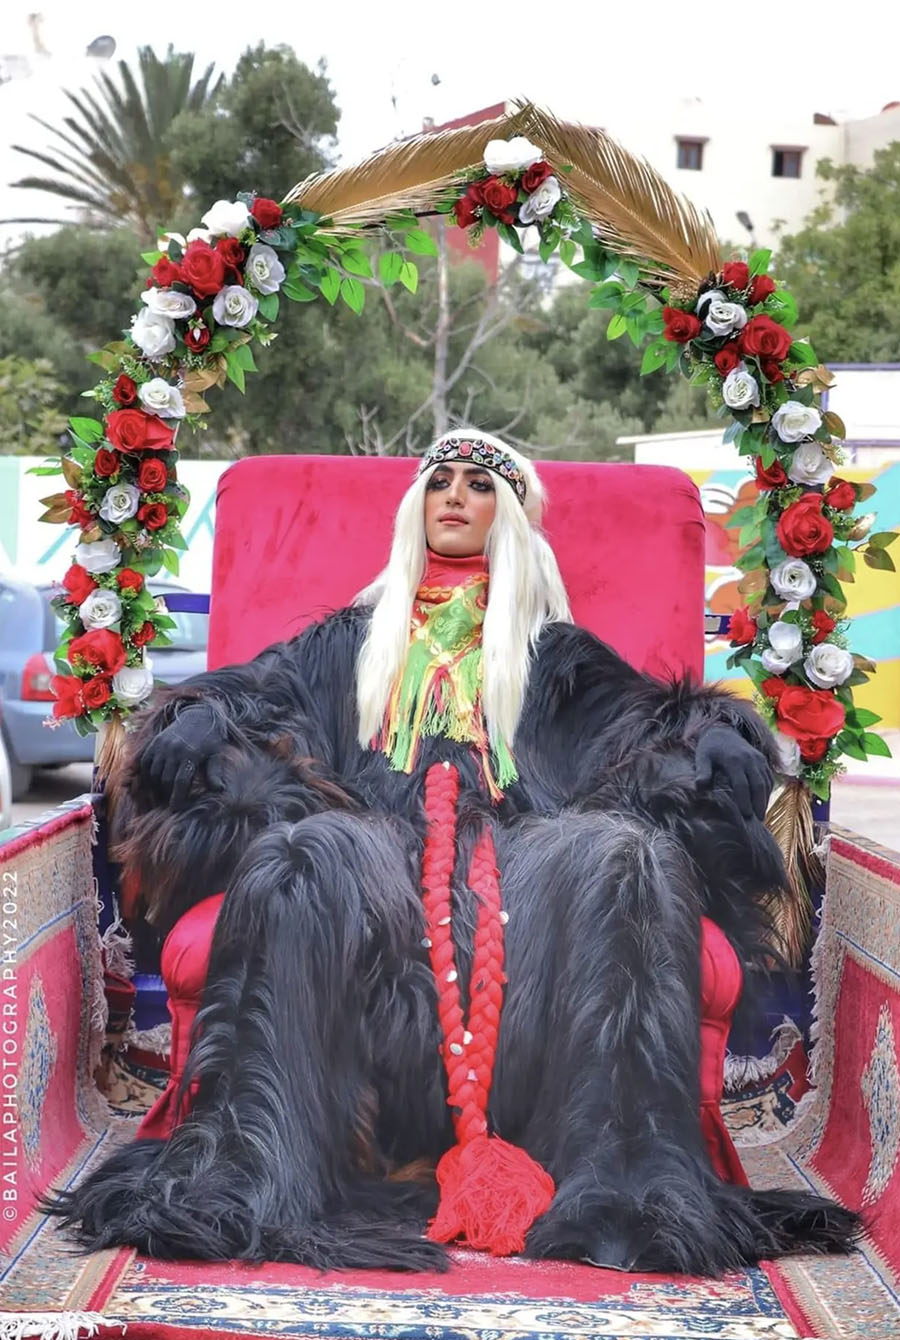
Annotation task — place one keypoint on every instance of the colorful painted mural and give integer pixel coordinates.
(39, 552)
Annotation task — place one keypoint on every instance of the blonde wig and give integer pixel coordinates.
(524, 593)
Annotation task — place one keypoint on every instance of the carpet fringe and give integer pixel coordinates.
(51, 1325)
(743, 1070)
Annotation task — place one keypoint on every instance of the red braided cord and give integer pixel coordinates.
(468, 1053)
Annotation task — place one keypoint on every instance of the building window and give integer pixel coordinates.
(786, 162)
(690, 154)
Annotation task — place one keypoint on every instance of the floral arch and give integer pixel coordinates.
(648, 256)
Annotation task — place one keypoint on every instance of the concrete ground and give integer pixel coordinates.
(866, 800)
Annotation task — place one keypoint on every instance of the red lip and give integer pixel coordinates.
(452, 519)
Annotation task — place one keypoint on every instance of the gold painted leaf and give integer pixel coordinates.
(194, 403)
(819, 378)
(56, 515)
(753, 582)
(835, 424)
(71, 472)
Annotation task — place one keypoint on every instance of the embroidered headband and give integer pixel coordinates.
(477, 450)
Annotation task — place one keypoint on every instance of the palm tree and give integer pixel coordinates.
(115, 165)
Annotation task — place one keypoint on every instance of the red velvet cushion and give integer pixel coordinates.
(298, 536)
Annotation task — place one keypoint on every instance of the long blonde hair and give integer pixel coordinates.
(524, 593)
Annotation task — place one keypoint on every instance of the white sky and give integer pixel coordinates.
(824, 56)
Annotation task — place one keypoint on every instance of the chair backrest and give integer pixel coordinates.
(299, 536)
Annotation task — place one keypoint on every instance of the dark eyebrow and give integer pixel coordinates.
(469, 469)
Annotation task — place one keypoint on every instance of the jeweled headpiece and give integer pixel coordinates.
(478, 451)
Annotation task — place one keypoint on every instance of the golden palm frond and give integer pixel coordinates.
(412, 174)
(635, 212)
(790, 821)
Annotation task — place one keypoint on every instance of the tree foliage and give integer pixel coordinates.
(843, 266)
(112, 158)
(30, 420)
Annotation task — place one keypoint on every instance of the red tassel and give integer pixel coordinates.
(491, 1194)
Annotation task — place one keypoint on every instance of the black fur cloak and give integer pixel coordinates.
(320, 1105)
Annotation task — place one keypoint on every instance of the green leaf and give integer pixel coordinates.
(782, 307)
(400, 223)
(873, 744)
(880, 559)
(802, 353)
(296, 292)
(409, 276)
(420, 243)
(170, 561)
(833, 587)
(849, 744)
(268, 306)
(586, 270)
(331, 285)
(654, 357)
(608, 295)
(511, 237)
(178, 541)
(548, 244)
(44, 470)
(860, 717)
(357, 263)
(567, 251)
(353, 294)
(233, 370)
(88, 430)
(759, 261)
(628, 273)
(882, 538)
(389, 267)
(617, 326)
(243, 357)
(151, 257)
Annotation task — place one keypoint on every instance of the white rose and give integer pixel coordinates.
(153, 334)
(264, 268)
(162, 243)
(169, 302)
(721, 317)
(227, 218)
(740, 388)
(542, 202)
(98, 555)
(827, 666)
(101, 609)
(132, 684)
(158, 397)
(775, 664)
(789, 760)
(120, 502)
(793, 421)
(234, 306)
(201, 235)
(809, 464)
(507, 157)
(793, 580)
(786, 640)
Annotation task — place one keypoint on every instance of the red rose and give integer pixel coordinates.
(823, 624)
(78, 583)
(79, 515)
(802, 529)
(203, 268)
(680, 326)
(96, 691)
(812, 750)
(166, 272)
(728, 357)
(129, 580)
(197, 338)
(773, 687)
(231, 251)
(771, 369)
(106, 463)
(840, 494)
(146, 633)
(69, 702)
(808, 714)
(764, 338)
(125, 391)
(153, 515)
(736, 273)
(152, 475)
(760, 289)
(498, 197)
(770, 476)
(741, 627)
(99, 647)
(535, 176)
(465, 208)
(133, 430)
(266, 212)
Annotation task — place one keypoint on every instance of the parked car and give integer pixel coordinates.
(5, 788)
(30, 630)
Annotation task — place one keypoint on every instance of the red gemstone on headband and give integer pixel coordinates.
(465, 448)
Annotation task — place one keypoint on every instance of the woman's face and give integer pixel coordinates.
(460, 503)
